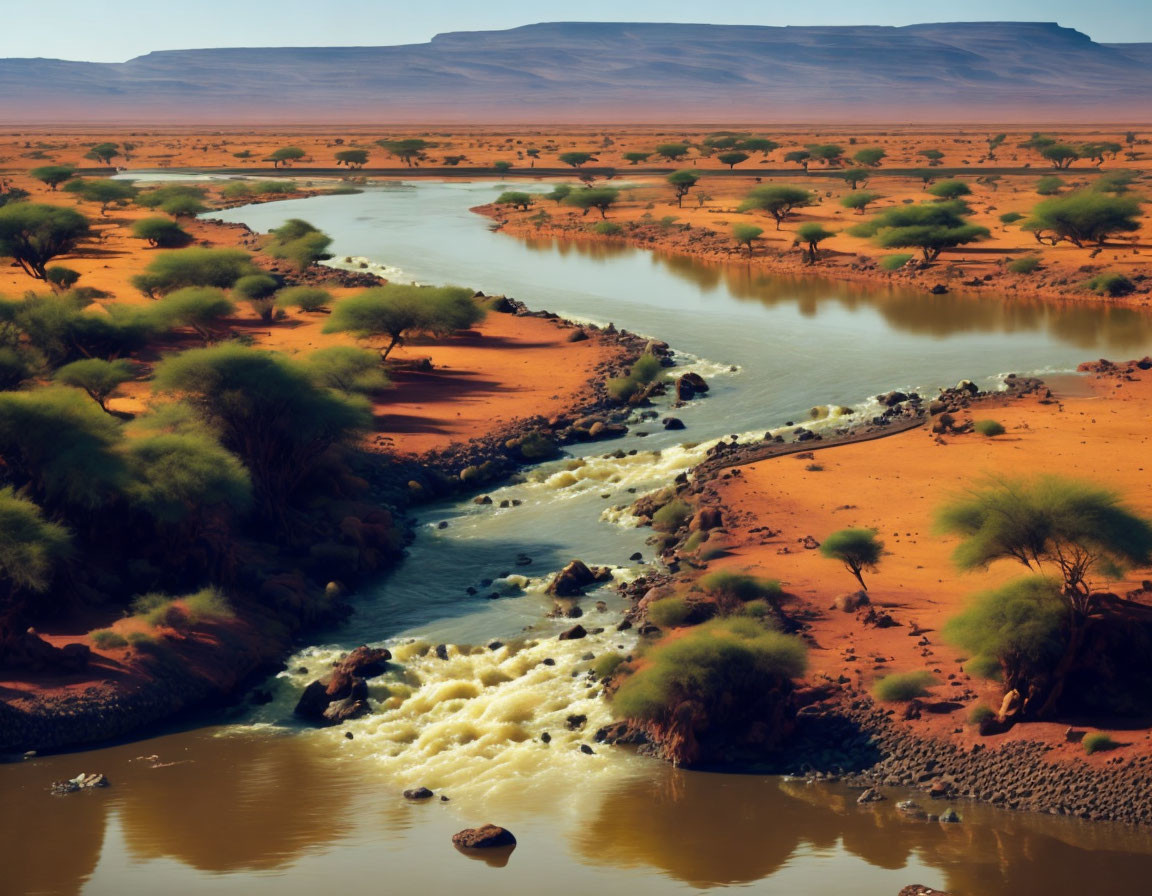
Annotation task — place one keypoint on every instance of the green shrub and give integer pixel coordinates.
(181, 612)
(142, 640)
(164, 233)
(60, 277)
(894, 262)
(1026, 265)
(734, 667)
(299, 242)
(1110, 285)
(984, 667)
(903, 686)
(1011, 217)
(536, 446)
(980, 714)
(1099, 742)
(306, 298)
(646, 370)
(669, 612)
(731, 590)
(606, 664)
(757, 609)
(168, 271)
(988, 428)
(671, 516)
(106, 639)
(607, 228)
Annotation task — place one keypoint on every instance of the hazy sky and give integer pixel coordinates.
(115, 30)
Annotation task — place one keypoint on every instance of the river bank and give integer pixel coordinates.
(767, 508)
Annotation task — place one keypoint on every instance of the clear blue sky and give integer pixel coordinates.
(115, 30)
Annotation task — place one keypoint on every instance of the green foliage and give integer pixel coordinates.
(671, 516)
(901, 686)
(199, 307)
(829, 153)
(856, 176)
(182, 268)
(174, 475)
(306, 298)
(895, 261)
(103, 152)
(60, 277)
(681, 182)
(409, 150)
(400, 311)
(163, 233)
(930, 227)
(285, 156)
(32, 234)
(1077, 528)
(870, 158)
(16, 365)
(988, 428)
(53, 175)
(516, 199)
(106, 639)
(299, 242)
(812, 234)
(646, 370)
(746, 234)
(97, 377)
(859, 201)
(1116, 182)
(60, 447)
(559, 193)
(857, 549)
(669, 612)
(353, 158)
(576, 159)
(588, 198)
(61, 330)
(1110, 285)
(732, 666)
(1099, 742)
(777, 200)
(635, 158)
(1011, 217)
(984, 667)
(607, 228)
(949, 189)
(31, 549)
(103, 192)
(184, 612)
(732, 159)
(606, 665)
(1061, 155)
(268, 409)
(980, 714)
(672, 151)
(732, 590)
(1049, 185)
(349, 369)
(1019, 629)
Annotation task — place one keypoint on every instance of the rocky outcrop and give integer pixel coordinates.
(343, 695)
(488, 836)
(575, 577)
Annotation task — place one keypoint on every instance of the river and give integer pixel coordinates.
(248, 802)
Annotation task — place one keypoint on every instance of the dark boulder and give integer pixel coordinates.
(366, 662)
(418, 793)
(485, 837)
(573, 634)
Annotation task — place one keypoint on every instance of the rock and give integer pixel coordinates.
(939, 290)
(575, 577)
(706, 519)
(81, 782)
(911, 809)
(584, 748)
(577, 336)
(671, 423)
(921, 890)
(485, 837)
(950, 816)
(850, 603)
(313, 702)
(418, 793)
(343, 710)
(441, 651)
(573, 634)
(871, 795)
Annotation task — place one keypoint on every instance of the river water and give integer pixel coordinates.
(247, 802)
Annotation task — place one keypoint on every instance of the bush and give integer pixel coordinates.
(536, 446)
(349, 369)
(731, 590)
(220, 268)
(198, 307)
(1011, 217)
(669, 612)
(671, 516)
(299, 242)
(857, 549)
(1110, 285)
(895, 262)
(181, 612)
(987, 667)
(606, 665)
(306, 298)
(163, 233)
(607, 228)
(646, 370)
(988, 428)
(106, 639)
(1026, 265)
(978, 715)
(60, 277)
(903, 686)
(1099, 742)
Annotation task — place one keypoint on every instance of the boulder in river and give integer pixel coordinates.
(366, 662)
(486, 836)
(575, 577)
(573, 634)
(418, 793)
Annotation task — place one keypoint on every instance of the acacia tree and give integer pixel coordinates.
(635, 158)
(856, 176)
(994, 142)
(97, 377)
(104, 192)
(409, 150)
(673, 152)
(950, 189)
(161, 233)
(778, 200)
(930, 227)
(934, 157)
(860, 200)
(269, 410)
(682, 181)
(869, 158)
(53, 175)
(1083, 217)
(1077, 530)
(577, 159)
(799, 156)
(516, 199)
(285, 156)
(400, 311)
(559, 193)
(32, 234)
(201, 308)
(1097, 151)
(352, 158)
(828, 153)
(599, 198)
(299, 242)
(1061, 155)
(194, 267)
(732, 159)
(757, 144)
(857, 549)
(746, 234)
(812, 234)
(103, 152)
(31, 550)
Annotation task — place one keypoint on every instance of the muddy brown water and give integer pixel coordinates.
(250, 803)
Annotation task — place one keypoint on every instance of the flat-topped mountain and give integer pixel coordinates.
(614, 72)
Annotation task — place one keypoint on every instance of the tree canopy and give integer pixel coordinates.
(857, 549)
(194, 267)
(101, 191)
(588, 198)
(1083, 217)
(53, 175)
(32, 234)
(778, 200)
(299, 242)
(681, 182)
(930, 227)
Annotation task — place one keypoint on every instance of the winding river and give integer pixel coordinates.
(250, 803)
